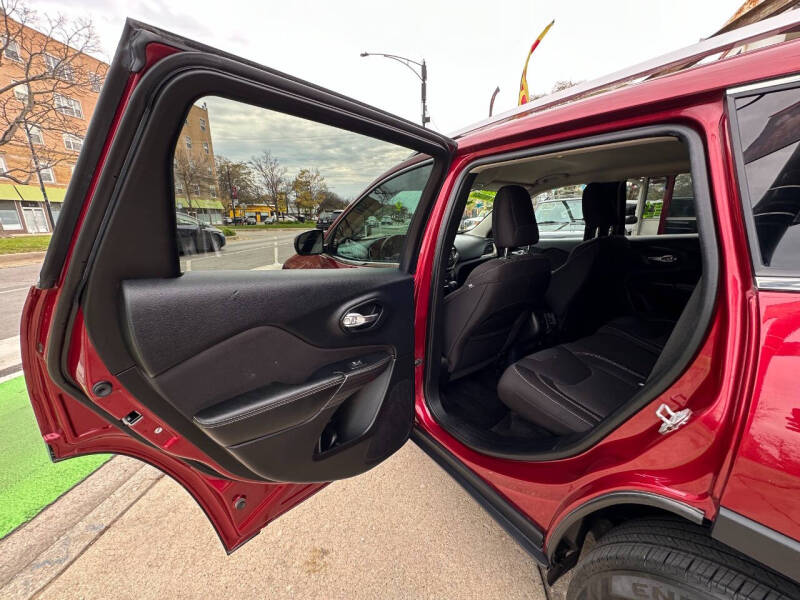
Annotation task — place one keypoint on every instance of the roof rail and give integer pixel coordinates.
(718, 43)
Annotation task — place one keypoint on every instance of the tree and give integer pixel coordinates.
(330, 200)
(308, 187)
(271, 177)
(238, 176)
(50, 74)
(191, 170)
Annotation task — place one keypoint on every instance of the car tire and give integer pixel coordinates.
(215, 242)
(671, 558)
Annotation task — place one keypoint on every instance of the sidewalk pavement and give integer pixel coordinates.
(402, 530)
(10, 357)
(19, 259)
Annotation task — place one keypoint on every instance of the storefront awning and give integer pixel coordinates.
(203, 203)
(30, 193)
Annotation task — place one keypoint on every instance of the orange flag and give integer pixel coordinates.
(524, 96)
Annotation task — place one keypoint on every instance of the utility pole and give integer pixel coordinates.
(39, 174)
(422, 75)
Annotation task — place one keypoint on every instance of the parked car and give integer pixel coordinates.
(631, 416)
(251, 220)
(326, 218)
(386, 220)
(195, 237)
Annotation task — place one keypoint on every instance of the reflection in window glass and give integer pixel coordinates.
(374, 230)
(769, 130)
(241, 172)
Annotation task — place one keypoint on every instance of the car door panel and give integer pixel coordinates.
(664, 272)
(265, 375)
(232, 383)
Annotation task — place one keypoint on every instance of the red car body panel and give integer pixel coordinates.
(740, 386)
(764, 483)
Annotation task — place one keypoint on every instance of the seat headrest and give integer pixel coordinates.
(603, 208)
(513, 221)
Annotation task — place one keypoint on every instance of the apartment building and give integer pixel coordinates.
(71, 87)
(73, 98)
(195, 171)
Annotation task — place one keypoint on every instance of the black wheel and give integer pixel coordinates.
(216, 242)
(670, 558)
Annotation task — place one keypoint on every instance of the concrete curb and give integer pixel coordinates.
(28, 564)
(19, 259)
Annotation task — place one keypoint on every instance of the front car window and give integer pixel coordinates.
(374, 230)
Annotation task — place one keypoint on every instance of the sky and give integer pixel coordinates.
(470, 47)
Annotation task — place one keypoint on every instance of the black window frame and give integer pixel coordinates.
(760, 270)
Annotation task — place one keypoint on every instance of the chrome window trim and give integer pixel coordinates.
(778, 284)
(752, 87)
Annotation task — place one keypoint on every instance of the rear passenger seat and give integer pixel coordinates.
(570, 388)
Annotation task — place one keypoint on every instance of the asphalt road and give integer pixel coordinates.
(257, 250)
(14, 285)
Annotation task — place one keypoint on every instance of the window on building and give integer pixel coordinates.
(3, 167)
(95, 82)
(188, 142)
(73, 142)
(68, 106)
(58, 67)
(196, 188)
(205, 147)
(212, 191)
(202, 124)
(36, 135)
(21, 92)
(210, 171)
(12, 50)
(9, 216)
(179, 187)
(47, 174)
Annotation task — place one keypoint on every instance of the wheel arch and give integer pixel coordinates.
(565, 542)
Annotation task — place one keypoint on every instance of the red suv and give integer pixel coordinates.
(619, 396)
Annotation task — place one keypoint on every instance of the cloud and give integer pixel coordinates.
(348, 161)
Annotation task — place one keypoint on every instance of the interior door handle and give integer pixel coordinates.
(663, 259)
(354, 320)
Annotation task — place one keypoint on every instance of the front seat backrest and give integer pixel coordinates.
(482, 317)
(581, 291)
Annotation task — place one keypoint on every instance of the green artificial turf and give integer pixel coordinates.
(29, 481)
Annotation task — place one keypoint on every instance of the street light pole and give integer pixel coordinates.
(422, 75)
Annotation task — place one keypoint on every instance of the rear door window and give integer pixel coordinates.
(766, 128)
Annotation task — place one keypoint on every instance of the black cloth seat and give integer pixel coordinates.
(483, 317)
(571, 387)
(584, 290)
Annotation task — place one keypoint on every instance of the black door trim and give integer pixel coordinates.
(767, 546)
(526, 533)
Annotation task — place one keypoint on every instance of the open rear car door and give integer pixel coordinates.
(247, 387)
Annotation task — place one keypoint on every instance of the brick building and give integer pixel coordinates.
(195, 171)
(22, 208)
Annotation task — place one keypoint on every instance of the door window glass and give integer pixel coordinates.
(769, 137)
(374, 230)
(247, 180)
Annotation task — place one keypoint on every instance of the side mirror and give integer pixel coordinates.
(309, 242)
(631, 219)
